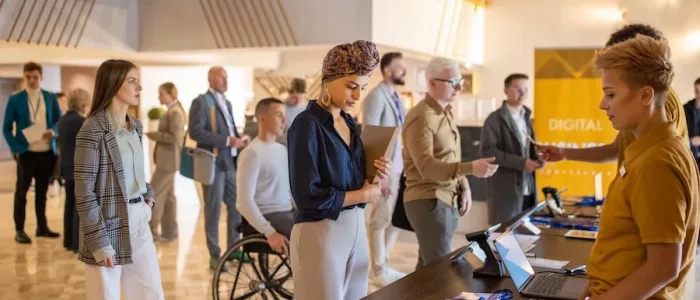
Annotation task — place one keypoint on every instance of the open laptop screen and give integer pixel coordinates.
(514, 258)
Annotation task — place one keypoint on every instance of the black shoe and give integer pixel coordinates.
(47, 233)
(22, 237)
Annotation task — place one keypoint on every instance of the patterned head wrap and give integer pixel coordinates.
(358, 58)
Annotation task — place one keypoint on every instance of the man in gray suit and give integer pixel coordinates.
(504, 136)
(225, 143)
(383, 107)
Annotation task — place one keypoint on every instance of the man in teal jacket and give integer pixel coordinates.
(30, 130)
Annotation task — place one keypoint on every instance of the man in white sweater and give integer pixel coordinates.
(264, 196)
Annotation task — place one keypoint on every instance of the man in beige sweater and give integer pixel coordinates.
(437, 191)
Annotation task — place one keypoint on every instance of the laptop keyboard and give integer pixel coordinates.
(547, 285)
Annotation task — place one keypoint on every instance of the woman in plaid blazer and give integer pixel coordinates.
(112, 197)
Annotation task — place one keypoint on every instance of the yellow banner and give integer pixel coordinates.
(566, 114)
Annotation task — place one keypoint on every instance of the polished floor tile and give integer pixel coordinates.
(44, 270)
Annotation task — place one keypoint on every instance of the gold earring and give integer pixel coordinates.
(327, 97)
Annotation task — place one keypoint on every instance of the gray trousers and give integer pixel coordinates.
(434, 223)
(329, 258)
(165, 211)
(223, 189)
(281, 221)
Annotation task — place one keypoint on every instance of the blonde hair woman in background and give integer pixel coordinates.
(168, 138)
(68, 126)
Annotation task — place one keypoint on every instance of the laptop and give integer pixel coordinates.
(541, 285)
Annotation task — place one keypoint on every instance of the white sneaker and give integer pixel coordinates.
(387, 277)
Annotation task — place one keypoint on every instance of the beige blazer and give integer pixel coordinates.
(169, 139)
(100, 191)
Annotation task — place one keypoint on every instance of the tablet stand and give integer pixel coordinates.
(492, 266)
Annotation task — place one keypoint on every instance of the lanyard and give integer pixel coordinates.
(35, 111)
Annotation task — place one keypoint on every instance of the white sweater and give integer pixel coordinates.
(262, 181)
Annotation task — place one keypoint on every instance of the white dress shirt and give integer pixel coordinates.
(37, 115)
(518, 115)
(228, 115)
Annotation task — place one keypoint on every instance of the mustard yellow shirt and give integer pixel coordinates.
(653, 199)
(675, 116)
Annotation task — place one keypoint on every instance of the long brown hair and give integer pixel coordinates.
(109, 79)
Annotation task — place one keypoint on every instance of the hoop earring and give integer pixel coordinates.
(327, 97)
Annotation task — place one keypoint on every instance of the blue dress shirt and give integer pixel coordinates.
(321, 166)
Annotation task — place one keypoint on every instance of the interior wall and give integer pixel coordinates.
(515, 28)
(73, 77)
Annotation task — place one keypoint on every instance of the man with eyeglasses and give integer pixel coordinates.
(506, 136)
(437, 192)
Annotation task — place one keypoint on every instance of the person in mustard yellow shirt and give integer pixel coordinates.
(649, 221)
(616, 149)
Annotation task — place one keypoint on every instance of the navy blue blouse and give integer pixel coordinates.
(321, 166)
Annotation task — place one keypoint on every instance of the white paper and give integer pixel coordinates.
(526, 241)
(599, 186)
(547, 263)
(33, 133)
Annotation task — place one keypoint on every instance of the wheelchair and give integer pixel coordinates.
(261, 274)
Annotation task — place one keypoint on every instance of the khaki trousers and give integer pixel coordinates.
(329, 258)
(165, 211)
(381, 234)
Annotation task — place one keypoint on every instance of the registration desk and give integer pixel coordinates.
(442, 279)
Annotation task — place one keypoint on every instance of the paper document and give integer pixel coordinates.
(33, 133)
(547, 263)
(378, 141)
(526, 241)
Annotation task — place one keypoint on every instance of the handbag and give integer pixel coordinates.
(399, 218)
(196, 163)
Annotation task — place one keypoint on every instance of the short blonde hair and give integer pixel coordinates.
(643, 61)
(78, 100)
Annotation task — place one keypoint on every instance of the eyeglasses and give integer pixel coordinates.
(454, 82)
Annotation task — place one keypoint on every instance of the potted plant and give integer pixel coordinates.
(154, 115)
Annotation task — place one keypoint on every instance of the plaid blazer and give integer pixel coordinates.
(100, 191)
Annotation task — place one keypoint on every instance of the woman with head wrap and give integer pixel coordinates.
(327, 165)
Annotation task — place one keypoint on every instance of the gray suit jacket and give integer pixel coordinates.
(500, 138)
(201, 131)
(169, 139)
(378, 109)
(100, 191)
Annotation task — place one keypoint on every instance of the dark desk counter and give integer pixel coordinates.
(442, 280)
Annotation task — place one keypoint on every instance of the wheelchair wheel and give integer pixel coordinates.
(268, 276)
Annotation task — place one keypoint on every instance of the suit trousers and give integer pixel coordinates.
(382, 235)
(71, 225)
(223, 189)
(329, 258)
(434, 222)
(39, 166)
(165, 211)
(141, 279)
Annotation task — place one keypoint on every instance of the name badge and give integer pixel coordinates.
(622, 171)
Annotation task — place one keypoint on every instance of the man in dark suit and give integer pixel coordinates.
(505, 136)
(29, 128)
(220, 136)
(692, 116)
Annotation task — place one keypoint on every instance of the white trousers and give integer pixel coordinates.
(141, 279)
(382, 235)
(329, 258)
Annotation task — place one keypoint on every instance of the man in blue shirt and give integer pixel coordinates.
(383, 107)
(29, 127)
(692, 116)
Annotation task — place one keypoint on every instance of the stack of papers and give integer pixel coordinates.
(547, 263)
(526, 241)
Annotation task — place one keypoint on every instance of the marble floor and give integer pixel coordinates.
(44, 270)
